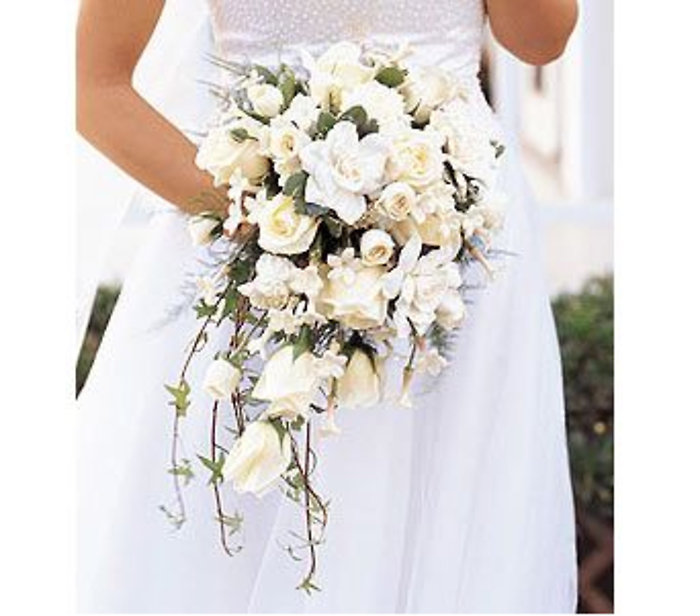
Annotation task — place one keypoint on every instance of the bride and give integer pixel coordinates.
(462, 504)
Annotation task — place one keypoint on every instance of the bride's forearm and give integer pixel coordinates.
(122, 125)
(536, 31)
(116, 119)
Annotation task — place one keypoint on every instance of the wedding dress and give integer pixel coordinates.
(461, 504)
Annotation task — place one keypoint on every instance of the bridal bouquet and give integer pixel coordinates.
(358, 191)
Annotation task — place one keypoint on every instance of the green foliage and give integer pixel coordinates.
(102, 308)
(391, 76)
(180, 394)
(215, 466)
(586, 334)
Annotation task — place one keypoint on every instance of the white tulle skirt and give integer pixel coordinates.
(462, 504)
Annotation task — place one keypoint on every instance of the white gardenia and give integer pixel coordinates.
(362, 383)
(468, 142)
(258, 458)
(283, 230)
(221, 379)
(383, 104)
(200, 229)
(356, 301)
(451, 310)
(302, 112)
(343, 169)
(266, 99)
(221, 154)
(376, 247)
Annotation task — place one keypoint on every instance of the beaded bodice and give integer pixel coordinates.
(442, 32)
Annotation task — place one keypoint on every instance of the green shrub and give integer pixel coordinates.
(586, 335)
(102, 308)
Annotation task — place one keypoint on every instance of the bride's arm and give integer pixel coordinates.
(536, 31)
(114, 117)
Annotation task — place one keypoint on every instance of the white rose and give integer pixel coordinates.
(357, 301)
(397, 201)
(362, 382)
(266, 99)
(426, 89)
(383, 104)
(342, 169)
(282, 229)
(221, 154)
(285, 139)
(221, 379)
(283, 376)
(257, 458)
(451, 311)
(416, 157)
(290, 407)
(200, 229)
(376, 247)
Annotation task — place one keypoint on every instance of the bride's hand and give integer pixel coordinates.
(113, 117)
(536, 31)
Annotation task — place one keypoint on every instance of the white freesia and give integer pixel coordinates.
(343, 169)
(208, 289)
(200, 229)
(270, 287)
(284, 145)
(221, 379)
(307, 281)
(222, 153)
(419, 285)
(376, 247)
(266, 99)
(285, 376)
(331, 365)
(283, 230)
(362, 383)
(416, 158)
(258, 458)
(359, 304)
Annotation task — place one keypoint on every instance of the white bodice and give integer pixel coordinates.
(442, 32)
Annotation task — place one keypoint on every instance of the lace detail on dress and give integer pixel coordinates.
(442, 32)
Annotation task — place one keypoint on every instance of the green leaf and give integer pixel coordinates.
(180, 394)
(288, 87)
(234, 522)
(391, 76)
(204, 310)
(215, 466)
(240, 134)
(303, 343)
(184, 470)
(357, 115)
(295, 184)
(267, 75)
(325, 122)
